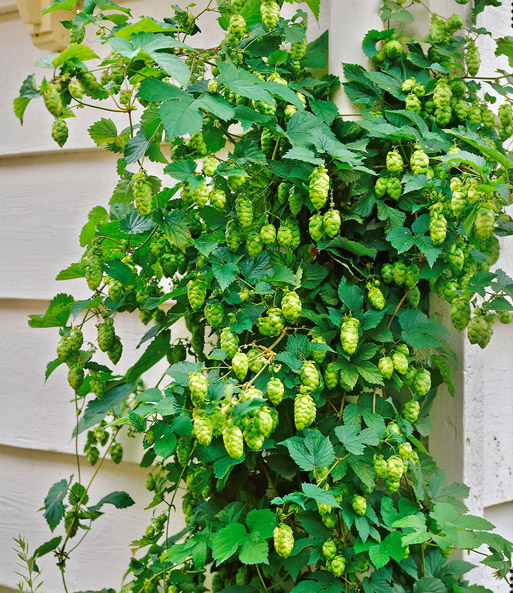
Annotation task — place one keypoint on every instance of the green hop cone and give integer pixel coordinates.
(399, 273)
(233, 441)
(94, 271)
(256, 360)
(331, 221)
(143, 196)
(437, 30)
(329, 549)
(275, 391)
(394, 188)
(217, 199)
(318, 355)
(505, 317)
(337, 566)
(198, 385)
(422, 382)
(267, 142)
(349, 335)
(214, 313)
(75, 339)
(254, 245)
(270, 13)
(460, 313)
(92, 455)
(291, 307)
(359, 505)
(316, 227)
(419, 161)
(393, 49)
(253, 437)
(298, 49)
(184, 449)
(64, 350)
(376, 298)
(412, 103)
(304, 411)
(484, 222)
(438, 229)
(244, 210)
(387, 274)
(60, 132)
(116, 453)
(229, 342)
(395, 163)
(236, 30)
(477, 329)
(386, 367)
(472, 58)
(268, 234)
(411, 411)
(400, 362)
(52, 100)
(413, 297)
(116, 350)
(283, 538)
(283, 192)
(310, 376)
(412, 276)
(233, 235)
(264, 421)
(380, 466)
(331, 376)
(240, 365)
(285, 237)
(295, 201)
(203, 430)
(76, 376)
(406, 451)
(200, 195)
(381, 186)
(196, 292)
(209, 166)
(319, 186)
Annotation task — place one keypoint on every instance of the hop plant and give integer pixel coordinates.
(305, 410)
(291, 307)
(283, 540)
(270, 12)
(240, 365)
(472, 58)
(319, 186)
(143, 196)
(197, 292)
(411, 411)
(349, 335)
(233, 441)
(275, 390)
(229, 342)
(331, 222)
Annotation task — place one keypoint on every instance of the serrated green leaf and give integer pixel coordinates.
(225, 273)
(120, 499)
(227, 541)
(262, 521)
(378, 555)
(54, 506)
(401, 239)
(429, 585)
(350, 295)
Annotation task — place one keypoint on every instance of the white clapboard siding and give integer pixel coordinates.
(26, 476)
(24, 396)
